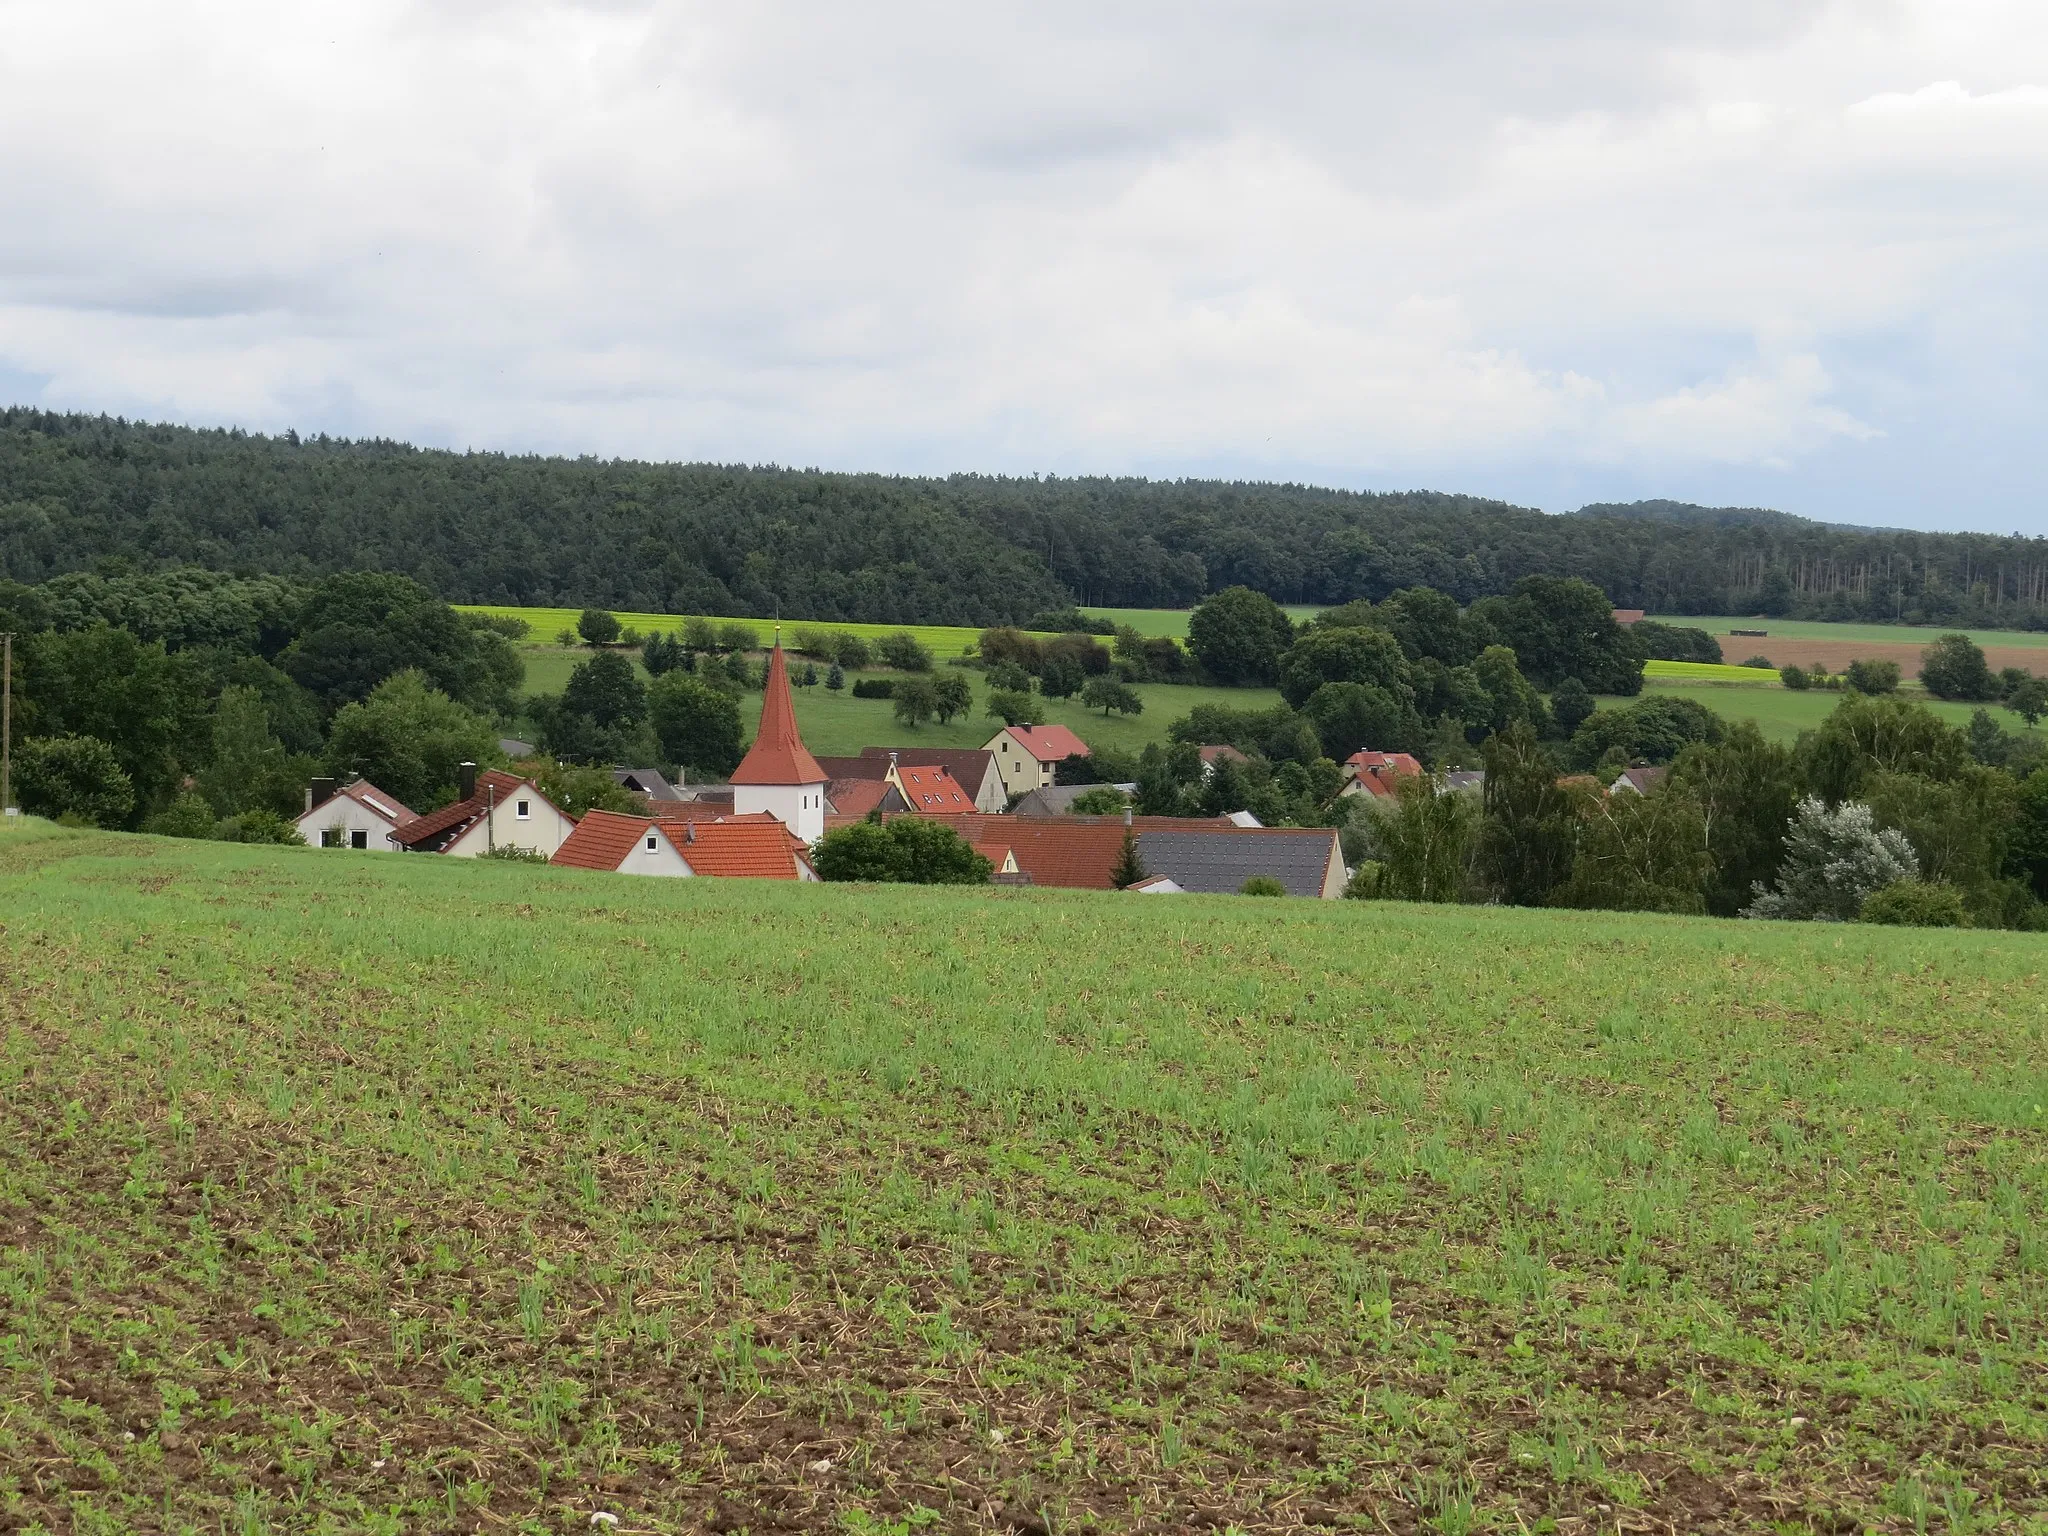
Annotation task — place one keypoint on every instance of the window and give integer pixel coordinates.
(330, 837)
(524, 810)
(359, 839)
(651, 842)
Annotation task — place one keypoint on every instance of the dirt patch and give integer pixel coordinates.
(1789, 650)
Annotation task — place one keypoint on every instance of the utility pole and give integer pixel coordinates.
(6, 723)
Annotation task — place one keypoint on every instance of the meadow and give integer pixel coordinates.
(375, 1193)
(545, 624)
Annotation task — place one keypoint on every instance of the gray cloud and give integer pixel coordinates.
(1779, 252)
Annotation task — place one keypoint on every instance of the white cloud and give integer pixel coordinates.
(1659, 245)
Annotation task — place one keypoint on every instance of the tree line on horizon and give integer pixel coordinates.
(80, 492)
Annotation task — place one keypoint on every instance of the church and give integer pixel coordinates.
(778, 775)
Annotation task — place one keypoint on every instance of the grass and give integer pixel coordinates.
(402, 1194)
(1174, 621)
(1711, 672)
(1718, 625)
(943, 640)
(840, 725)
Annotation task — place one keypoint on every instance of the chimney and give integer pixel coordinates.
(319, 792)
(1127, 813)
(465, 781)
(690, 830)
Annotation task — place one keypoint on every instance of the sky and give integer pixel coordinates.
(1778, 253)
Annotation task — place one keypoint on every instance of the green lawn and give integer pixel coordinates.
(1782, 713)
(394, 1194)
(840, 725)
(1718, 625)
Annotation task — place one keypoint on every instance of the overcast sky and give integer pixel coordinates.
(1773, 252)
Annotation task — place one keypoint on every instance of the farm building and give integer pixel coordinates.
(752, 847)
(356, 815)
(497, 810)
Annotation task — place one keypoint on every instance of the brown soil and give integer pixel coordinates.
(1785, 650)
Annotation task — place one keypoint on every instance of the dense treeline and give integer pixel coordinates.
(78, 491)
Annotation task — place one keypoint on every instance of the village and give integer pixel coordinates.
(781, 802)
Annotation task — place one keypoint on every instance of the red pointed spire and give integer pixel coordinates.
(778, 755)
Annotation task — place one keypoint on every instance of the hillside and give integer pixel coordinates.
(78, 491)
(408, 1194)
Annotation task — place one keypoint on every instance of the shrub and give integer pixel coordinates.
(1103, 800)
(1262, 885)
(512, 853)
(1833, 860)
(1012, 647)
(258, 826)
(1070, 621)
(874, 687)
(851, 651)
(188, 816)
(597, 627)
(77, 776)
(510, 625)
(738, 637)
(1761, 663)
(1795, 677)
(911, 850)
(904, 651)
(836, 678)
(1872, 676)
(808, 640)
(1916, 904)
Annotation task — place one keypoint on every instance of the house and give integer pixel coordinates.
(974, 770)
(650, 782)
(1472, 780)
(863, 797)
(1639, 781)
(496, 810)
(1155, 885)
(1375, 773)
(1081, 852)
(1026, 755)
(1211, 756)
(1307, 861)
(757, 847)
(357, 815)
(778, 775)
(931, 791)
(1628, 616)
(1058, 799)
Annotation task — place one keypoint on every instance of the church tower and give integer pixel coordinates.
(778, 775)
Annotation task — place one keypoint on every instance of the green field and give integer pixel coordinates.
(942, 640)
(1810, 629)
(401, 1194)
(1174, 621)
(840, 725)
(1781, 713)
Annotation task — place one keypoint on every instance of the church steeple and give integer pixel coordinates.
(778, 755)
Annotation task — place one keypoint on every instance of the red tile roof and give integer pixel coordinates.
(970, 766)
(602, 840)
(741, 847)
(932, 791)
(745, 847)
(778, 755)
(1222, 754)
(856, 797)
(492, 787)
(1387, 762)
(1048, 743)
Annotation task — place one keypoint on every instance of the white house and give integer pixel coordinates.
(778, 775)
(498, 810)
(358, 815)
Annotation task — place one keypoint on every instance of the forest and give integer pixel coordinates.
(81, 492)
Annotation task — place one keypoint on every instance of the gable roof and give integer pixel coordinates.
(372, 799)
(857, 797)
(1047, 743)
(970, 766)
(741, 847)
(442, 827)
(746, 847)
(931, 791)
(1641, 780)
(850, 768)
(1220, 863)
(1383, 762)
(651, 782)
(1076, 852)
(1058, 799)
(778, 755)
(602, 840)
